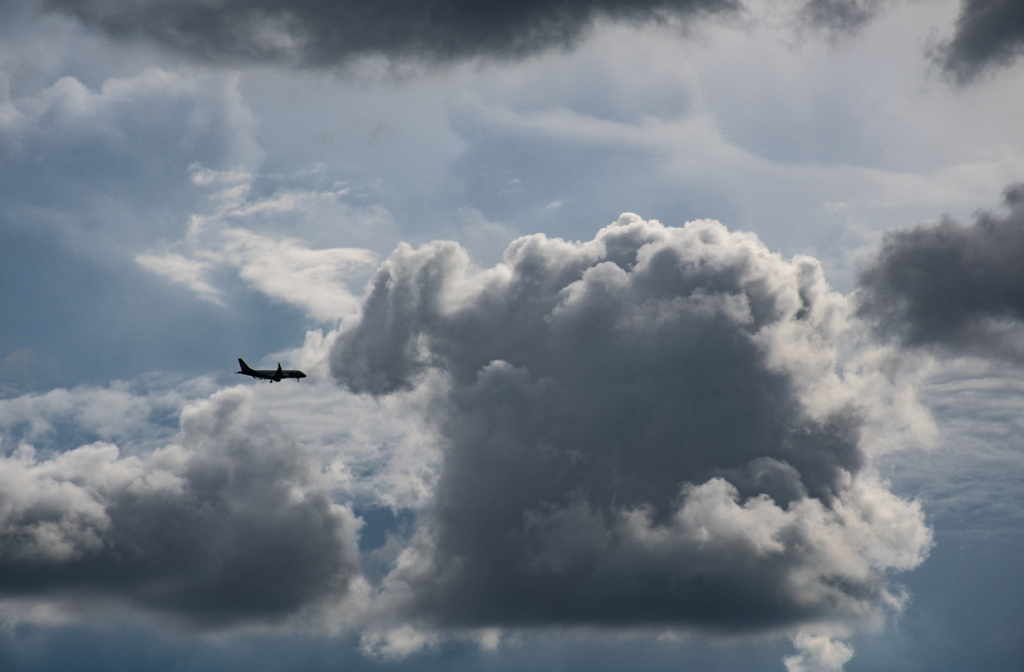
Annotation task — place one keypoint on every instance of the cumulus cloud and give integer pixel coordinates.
(661, 427)
(989, 34)
(233, 524)
(324, 32)
(956, 286)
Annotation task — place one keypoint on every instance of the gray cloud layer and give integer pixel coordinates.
(989, 33)
(326, 32)
(645, 429)
(952, 285)
(229, 526)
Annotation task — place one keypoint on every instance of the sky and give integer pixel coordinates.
(657, 335)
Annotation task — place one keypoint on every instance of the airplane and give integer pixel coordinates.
(268, 374)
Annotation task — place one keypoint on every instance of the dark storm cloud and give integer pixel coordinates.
(989, 34)
(952, 285)
(629, 436)
(230, 526)
(326, 32)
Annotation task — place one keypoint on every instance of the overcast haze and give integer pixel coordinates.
(650, 335)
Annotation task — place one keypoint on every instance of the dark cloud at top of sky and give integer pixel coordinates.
(630, 435)
(840, 16)
(952, 285)
(327, 32)
(989, 34)
(230, 526)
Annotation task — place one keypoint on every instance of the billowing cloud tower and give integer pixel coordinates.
(655, 428)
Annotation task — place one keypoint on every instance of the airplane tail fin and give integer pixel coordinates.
(245, 367)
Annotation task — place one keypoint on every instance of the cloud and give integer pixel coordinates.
(288, 271)
(989, 34)
(189, 272)
(950, 285)
(818, 653)
(841, 16)
(91, 164)
(112, 414)
(378, 453)
(655, 428)
(231, 525)
(324, 33)
(283, 269)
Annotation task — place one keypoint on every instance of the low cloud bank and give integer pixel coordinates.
(661, 427)
(230, 526)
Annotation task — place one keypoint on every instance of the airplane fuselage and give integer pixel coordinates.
(269, 375)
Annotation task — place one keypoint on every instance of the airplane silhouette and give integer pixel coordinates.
(269, 374)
